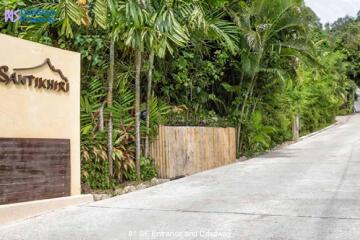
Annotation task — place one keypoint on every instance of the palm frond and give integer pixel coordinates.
(101, 12)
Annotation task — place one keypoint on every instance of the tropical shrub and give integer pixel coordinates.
(148, 170)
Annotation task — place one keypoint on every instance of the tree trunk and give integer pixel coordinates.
(101, 117)
(137, 112)
(150, 76)
(109, 104)
(242, 119)
(296, 127)
(249, 93)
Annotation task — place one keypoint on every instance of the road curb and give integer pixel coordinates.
(337, 123)
(317, 132)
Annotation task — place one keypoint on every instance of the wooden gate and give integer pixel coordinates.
(179, 151)
(33, 169)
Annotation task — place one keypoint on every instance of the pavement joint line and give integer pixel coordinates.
(224, 212)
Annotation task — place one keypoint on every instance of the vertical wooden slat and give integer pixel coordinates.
(167, 151)
(181, 151)
(233, 144)
(195, 150)
(163, 151)
(188, 151)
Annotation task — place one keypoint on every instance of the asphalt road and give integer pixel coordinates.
(308, 190)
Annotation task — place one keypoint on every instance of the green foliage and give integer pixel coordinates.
(253, 65)
(148, 170)
(94, 167)
(193, 81)
(158, 115)
(344, 34)
(101, 12)
(71, 14)
(258, 135)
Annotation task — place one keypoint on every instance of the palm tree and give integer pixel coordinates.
(109, 104)
(143, 25)
(148, 101)
(131, 25)
(205, 22)
(177, 23)
(128, 25)
(108, 23)
(161, 27)
(138, 56)
(165, 34)
(268, 28)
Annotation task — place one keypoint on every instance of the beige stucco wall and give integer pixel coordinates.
(26, 112)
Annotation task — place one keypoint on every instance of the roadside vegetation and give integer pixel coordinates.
(253, 65)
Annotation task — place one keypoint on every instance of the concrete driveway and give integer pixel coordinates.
(357, 103)
(308, 190)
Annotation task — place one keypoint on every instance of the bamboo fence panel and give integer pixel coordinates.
(181, 151)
